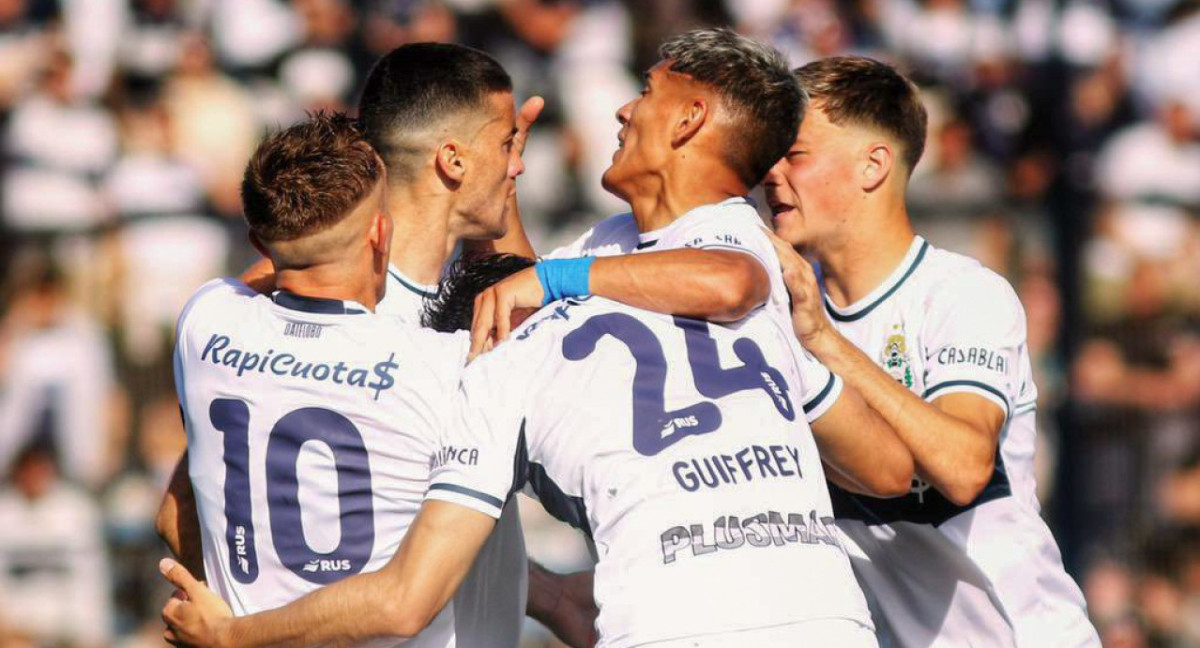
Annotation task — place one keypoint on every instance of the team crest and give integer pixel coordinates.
(894, 357)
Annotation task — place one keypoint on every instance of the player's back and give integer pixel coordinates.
(681, 447)
(310, 424)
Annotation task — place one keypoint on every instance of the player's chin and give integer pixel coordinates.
(787, 226)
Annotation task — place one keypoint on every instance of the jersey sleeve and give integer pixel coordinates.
(820, 387)
(973, 338)
(478, 460)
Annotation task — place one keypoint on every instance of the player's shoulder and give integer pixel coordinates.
(612, 235)
(958, 277)
(218, 295)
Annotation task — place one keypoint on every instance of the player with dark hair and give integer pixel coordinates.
(936, 343)
(305, 391)
(678, 445)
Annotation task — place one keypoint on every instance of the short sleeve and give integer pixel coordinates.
(820, 387)
(973, 338)
(478, 456)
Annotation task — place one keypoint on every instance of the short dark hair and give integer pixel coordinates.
(756, 85)
(418, 85)
(454, 306)
(308, 177)
(866, 92)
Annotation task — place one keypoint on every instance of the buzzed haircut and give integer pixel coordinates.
(863, 91)
(756, 86)
(308, 177)
(418, 86)
(453, 308)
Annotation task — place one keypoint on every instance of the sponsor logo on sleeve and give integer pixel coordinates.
(981, 357)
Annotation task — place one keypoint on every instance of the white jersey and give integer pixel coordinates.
(680, 447)
(312, 425)
(940, 575)
(732, 225)
(404, 298)
(501, 571)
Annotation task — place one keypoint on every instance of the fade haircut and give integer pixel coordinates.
(755, 86)
(419, 86)
(308, 177)
(865, 92)
(453, 308)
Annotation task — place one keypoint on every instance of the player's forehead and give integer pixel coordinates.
(501, 112)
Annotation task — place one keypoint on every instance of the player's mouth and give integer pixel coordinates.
(780, 210)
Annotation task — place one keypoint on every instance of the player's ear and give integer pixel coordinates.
(450, 162)
(381, 233)
(878, 163)
(691, 119)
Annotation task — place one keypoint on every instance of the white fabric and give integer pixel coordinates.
(940, 575)
(686, 489)
(732, 225)
(69, 369)
(404, 298)
(383, 389)
(831, 633)
(54, 574)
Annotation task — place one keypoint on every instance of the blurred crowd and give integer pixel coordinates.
(1064, 152)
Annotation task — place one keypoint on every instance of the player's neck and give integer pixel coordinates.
(421, 237)
(873, 248)
(665, 198)
(333, 281)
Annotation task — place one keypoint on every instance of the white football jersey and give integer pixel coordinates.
(404, 298)
(680, 447)
(312, 425)
(940, 575)
(732, 225)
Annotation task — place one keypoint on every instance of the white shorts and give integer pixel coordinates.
(820, 633)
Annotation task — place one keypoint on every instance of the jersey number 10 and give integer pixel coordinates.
(357, 520)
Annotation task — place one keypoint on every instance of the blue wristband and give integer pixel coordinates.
(562, 278)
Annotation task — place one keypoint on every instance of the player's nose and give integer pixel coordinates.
(775, 174)
(624, 112)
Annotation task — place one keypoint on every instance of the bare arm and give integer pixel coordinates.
(177, 522)
(862, 448)
(952, 440)
(715, 285)
(398, 601)
(564, 604)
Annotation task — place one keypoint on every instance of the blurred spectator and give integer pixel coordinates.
(56, 373)
(1155, 161)
(54, 580)
(167, 244)
(214, 127)
(59, 144)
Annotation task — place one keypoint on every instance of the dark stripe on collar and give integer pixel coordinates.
(410, 287)
(293, 301)
(850, 317)
(645, 244)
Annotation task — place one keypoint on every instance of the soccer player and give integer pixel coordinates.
(310, 420)
(936, 344)
(679, 446)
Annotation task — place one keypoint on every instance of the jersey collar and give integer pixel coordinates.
(410, 285)
(649, 239)
(292, 301)
(860, 309)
